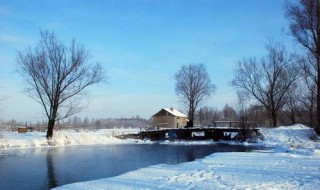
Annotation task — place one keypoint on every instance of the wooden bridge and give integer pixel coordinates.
(195, 133)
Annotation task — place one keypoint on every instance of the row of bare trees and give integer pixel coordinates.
(304, 19)
(272, 90)
(269, 80)
(133, 122)
(281, 83)
(246, 115)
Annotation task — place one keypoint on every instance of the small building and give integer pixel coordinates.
(169, 118)
(22, 129)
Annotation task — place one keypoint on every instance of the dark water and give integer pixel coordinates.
(45, 168)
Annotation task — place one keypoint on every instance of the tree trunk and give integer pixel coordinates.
(274, 118)
(318, 103)
(190, 114)
(293, 117)
(191, 111)
(312, 112)
(50, 128)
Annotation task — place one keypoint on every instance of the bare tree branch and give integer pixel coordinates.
(268, 80)
(193, 85)
(56, 76)
(304, 19)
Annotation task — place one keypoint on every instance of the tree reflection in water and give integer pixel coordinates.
(26, 169)
(52, 181)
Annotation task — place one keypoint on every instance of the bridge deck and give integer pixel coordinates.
(197, 133)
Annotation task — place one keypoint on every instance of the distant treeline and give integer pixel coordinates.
(253, 113)
(78, 122)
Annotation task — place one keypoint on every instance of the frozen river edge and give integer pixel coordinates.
(293, 163)
(220, 171)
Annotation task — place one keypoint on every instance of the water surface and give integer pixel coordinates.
(45, 168)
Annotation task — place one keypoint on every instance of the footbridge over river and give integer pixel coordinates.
(200, 133)
(212, 132)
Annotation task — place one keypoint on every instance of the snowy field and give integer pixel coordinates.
(292, 163)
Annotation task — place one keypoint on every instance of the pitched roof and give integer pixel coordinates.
(175, 112)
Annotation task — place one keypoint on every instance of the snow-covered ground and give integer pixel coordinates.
(292, 163)
(63, 138)
(220, 171)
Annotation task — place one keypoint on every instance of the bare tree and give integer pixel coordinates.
(207, 115)
(229, 113)
(292, 106)
(307, 99)
(256, 113)
(267, 80)
(304, 19)
(56, 76)
(193, 85)
(242, 111)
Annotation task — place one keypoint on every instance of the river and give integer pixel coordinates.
(45, 168)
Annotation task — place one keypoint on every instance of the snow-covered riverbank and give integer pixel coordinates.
(63, 138)
(220, 171)
(292, 163)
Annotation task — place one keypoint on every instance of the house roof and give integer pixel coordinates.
(175, 112)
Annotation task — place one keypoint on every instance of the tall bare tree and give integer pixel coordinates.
(304, 18)
(307, 100)
(193, 85)
(267, 80)
(207, 115)
(292, 106)
(242, 111)
(56, 76)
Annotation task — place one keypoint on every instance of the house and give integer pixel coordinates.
(22, 129)
(169, 118)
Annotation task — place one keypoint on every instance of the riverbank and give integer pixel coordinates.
(293, 163)
(220, 171)
(9, 140)
(296, 138)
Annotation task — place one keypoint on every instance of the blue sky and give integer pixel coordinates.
(141, 44)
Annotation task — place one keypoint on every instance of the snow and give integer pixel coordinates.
(63, 138)
(293, 162)
(219, 171)
(175, 112)
(295, 139)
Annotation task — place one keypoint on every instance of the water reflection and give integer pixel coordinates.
(52, 181)
(190, 155)
(50, 167)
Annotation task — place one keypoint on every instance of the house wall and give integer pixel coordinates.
(22, 130)
(182, 122)
(165, 120)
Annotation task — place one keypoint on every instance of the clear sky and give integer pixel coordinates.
(141, 44)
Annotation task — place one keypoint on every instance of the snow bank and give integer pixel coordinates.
(219, 171)
(294, 163)
(63, 138)
(295, 139)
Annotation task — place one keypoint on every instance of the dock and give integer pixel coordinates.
(195, 133)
